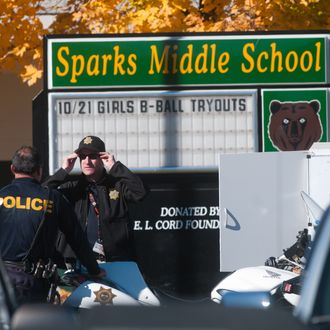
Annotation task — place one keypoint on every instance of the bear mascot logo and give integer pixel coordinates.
(294, 125)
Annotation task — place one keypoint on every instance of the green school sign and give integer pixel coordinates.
(97, 62)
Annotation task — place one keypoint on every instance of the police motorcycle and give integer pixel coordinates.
(122, 285)
(279, 276)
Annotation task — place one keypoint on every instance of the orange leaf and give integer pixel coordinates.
(31, 74)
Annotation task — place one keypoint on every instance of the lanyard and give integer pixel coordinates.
(97, 212)
(93, 202)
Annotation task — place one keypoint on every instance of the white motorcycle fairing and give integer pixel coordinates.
(122, 285)
(254, 279)
(266, 278)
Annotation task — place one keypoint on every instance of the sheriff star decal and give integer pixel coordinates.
(104, 296)
(88, 140)
(114, 194)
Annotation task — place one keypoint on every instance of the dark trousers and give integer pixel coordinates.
(28, 289)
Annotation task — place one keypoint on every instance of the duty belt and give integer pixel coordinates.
(25, 266)
(38, 270)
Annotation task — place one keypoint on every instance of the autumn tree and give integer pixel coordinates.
(21, 34)
(22, 31)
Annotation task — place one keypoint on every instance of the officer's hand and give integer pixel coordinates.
(108, 160)
(101, 274)
(69, 161)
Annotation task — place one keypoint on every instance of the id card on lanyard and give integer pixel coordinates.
(98, 246)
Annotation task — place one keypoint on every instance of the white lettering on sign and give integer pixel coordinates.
(183, 211)
(181, 218)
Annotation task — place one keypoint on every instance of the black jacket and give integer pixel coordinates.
(23, 204)
(114, 191)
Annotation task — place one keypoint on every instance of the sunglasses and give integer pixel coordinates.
(90, 156)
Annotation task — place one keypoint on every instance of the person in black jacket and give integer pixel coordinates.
(100, 196)
(30, 218)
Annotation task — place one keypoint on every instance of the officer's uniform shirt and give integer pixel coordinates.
(22, 207)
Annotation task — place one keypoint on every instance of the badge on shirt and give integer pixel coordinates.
(114, 194)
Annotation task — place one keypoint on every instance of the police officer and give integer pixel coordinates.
(30, 217)
(100, 197)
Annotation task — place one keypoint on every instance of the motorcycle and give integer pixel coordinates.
(280, 276)
(122, 285)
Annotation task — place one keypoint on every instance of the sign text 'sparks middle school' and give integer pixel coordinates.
(186, 61)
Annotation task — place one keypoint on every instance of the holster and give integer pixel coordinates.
(46, 271)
